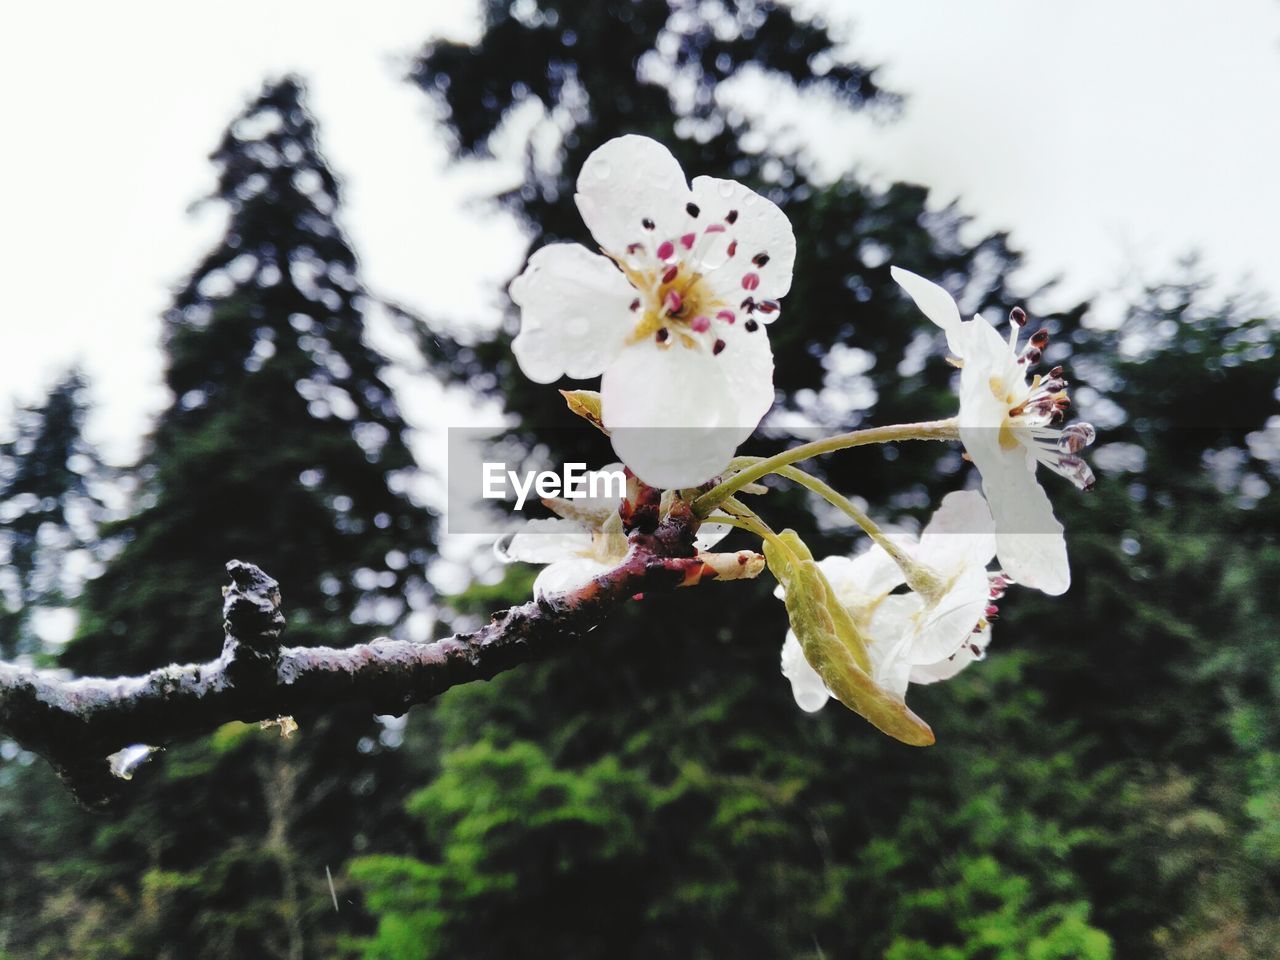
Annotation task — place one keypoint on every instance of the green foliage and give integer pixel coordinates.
(1104, 784)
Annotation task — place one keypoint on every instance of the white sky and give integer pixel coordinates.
(1108, 137)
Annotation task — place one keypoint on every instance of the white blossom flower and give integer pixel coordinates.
(914, 637)
(1009, 425)
(580, 544)
(670, 316)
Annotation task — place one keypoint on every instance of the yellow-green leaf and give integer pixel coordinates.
(825, 635)
(586, 404)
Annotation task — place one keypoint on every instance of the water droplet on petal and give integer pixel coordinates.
(1076, 437)
(601, 169)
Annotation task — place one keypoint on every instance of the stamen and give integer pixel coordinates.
(767, 306)
(1018, 316)
(687, 240)
(1040, 339)
(700, 324)
(671, 273)
(635, 304)
(666, 250)
(731, 217)
(647, 223)
(750, 281)
(692, 209)
(751, 326)
(673, 302)
(662, 334)
(733, 247)
(726, 315)
(760, 259)
(717, 348)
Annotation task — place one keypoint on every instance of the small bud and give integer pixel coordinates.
(586, 404)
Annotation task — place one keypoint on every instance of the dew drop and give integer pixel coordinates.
(602, 170)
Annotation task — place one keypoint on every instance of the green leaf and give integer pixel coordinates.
(829, 639)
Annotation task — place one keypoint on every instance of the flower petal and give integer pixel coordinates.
(565, 575)
(806, 686)
(710, 533)
(943, 627)
(948, 668)
(960, 533)
(935, 303)
(1029, 538)
(624, 183)
(574, 313)
(890, 632)
(764, 243)
(544, 541)
(677, 414)
(864, 579)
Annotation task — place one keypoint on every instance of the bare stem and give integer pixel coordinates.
(928, 430)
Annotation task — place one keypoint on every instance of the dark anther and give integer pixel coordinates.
(1056, 372)
(751, 326)
(647, 223)
(662, 334)
(719, 346)
(731, 217)
(767, 306)
(760, 259)
(749, 304)
(692, 209)
(1018, 316)
(1040, 339)
(635, 304)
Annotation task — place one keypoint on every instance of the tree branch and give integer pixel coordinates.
(77, 723)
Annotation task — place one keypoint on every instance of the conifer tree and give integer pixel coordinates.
(50, 508)
(283, 446)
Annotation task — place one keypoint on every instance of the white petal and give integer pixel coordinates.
(946, 669)
(960, 533)
(574, 313)
(626, 181)
(565, 575)
(863, 579)
(711, 533)
(545, 541)
(943, 627)
(676, 415)
(1029, 538)
(987, 354)
(890, 633)
(760, 229)
(592, 511)
(806, 686)
(935, 303)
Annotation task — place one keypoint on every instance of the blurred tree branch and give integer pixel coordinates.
(76, 724)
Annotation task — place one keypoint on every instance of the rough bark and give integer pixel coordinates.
(76, 723)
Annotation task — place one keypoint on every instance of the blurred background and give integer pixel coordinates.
(254, 264)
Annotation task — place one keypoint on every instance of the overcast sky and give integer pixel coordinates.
(1107, 137)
